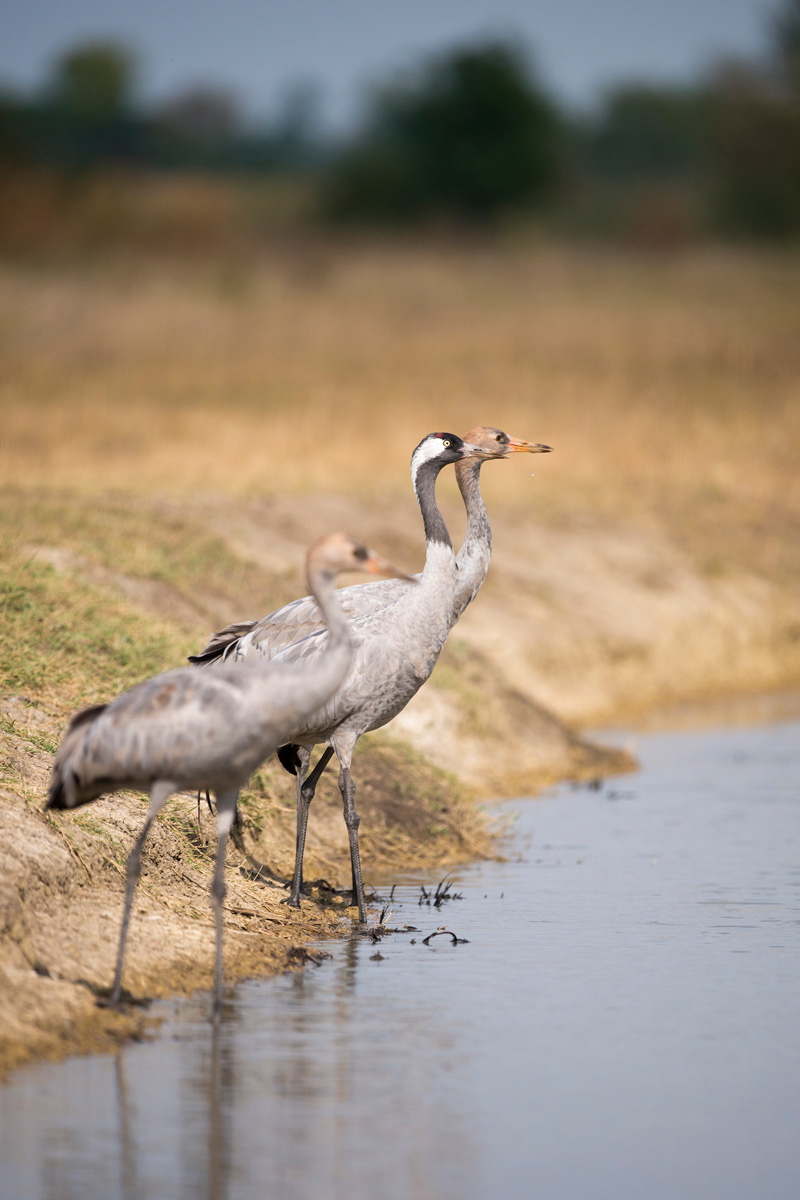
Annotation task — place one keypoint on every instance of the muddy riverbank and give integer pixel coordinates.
(78, 628)
(174, 434)
(618, 1018)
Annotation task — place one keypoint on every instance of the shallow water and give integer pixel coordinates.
(622, 1022)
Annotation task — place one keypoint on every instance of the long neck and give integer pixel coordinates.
(425, 488)
(476, 550)
(320, 583)
(479, 531)
(335, 662)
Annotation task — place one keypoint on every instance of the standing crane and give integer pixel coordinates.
(301, 619)
(186, 729)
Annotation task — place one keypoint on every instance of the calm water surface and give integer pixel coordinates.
(622, 1023)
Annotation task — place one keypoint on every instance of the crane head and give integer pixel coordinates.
(338, 552)
(495, 443)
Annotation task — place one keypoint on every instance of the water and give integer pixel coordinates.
(622, 1023)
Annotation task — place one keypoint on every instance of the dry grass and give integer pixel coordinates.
(172, 434)
(192, 423)
(653, 379)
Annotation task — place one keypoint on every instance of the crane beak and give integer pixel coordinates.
(518, 446)
(471, 450)
(376, 564)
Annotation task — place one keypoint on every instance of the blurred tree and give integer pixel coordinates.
(86, 114)
(15, 134)
(646, 132)
(786, 45)
(203, 128)
(755, 155)
(93, 83)
(470, 136)
(296, 129)
(202, 114)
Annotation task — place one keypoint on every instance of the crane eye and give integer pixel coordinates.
(361, 553)
(445, 442)
(499, 437)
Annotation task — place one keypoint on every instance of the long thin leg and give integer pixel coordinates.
(352, 821)
(226, 811)
(305, 794)
(159, 793)
(303, 762)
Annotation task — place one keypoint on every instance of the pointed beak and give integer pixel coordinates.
(517, 446)
(376, 564)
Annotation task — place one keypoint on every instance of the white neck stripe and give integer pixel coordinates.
(432, 447)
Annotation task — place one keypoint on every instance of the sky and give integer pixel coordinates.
(260, 48)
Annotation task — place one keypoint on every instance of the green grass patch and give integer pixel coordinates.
(68, 643)
(135, 538)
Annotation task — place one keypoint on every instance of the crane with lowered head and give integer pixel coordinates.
(186, 729)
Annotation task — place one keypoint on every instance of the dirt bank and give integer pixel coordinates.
(63, 877)
(63, 874)
(575, 624)
(169, 446)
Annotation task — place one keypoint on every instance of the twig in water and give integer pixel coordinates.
(457, 941)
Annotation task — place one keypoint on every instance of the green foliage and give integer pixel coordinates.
(130, 538)
(469, 137)
(73, 640)
(57, 635)
(786, 45)
(643, 131)
(754, 160)
(94, 82)
(756, 156)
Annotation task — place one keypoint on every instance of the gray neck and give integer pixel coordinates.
(320, 583)
(425, 488)
(335, 662)
(479, 531)
(476, 551)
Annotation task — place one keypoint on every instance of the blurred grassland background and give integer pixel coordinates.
(147, 405)
(669, 386)
(217, 340)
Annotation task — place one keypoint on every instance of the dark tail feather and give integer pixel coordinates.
(202, 660)
(289, 758)
(221, 643)
(84, 717)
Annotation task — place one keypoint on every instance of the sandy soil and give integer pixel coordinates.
(63, 874)
(63, 881)
(575, 625)
(169, 444)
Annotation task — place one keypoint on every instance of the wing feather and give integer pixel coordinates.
(297, 621)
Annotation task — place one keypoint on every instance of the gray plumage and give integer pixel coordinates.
(398, 640)
(297, 620)
(186, 729)
(398, 637)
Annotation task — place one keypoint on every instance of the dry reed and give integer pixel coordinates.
(654, 379)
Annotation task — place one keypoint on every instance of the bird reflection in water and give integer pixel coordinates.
(128, 1183)
(203, 1163)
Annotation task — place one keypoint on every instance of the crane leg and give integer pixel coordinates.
(305, 794)
(296, 886)
(226, 813)
(159, 793)
(352, 821)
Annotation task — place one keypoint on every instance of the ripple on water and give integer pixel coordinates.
(621, 1022)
